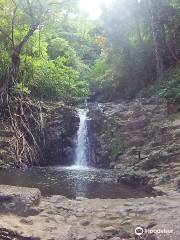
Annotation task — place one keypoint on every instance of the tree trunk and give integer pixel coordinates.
(158, 37)
(15, 60)
(14, 70)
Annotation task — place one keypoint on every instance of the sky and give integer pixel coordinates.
(93, 7)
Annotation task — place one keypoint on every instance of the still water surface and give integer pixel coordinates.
(72, 182)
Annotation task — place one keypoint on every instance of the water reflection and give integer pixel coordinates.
(71, 182)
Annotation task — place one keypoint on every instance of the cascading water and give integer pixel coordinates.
(82, 141)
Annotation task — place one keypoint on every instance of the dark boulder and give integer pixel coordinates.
(19, 200)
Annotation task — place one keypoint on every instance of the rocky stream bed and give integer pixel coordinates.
(139, 142)
(57, 217)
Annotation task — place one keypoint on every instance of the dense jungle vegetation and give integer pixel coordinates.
(53, 50)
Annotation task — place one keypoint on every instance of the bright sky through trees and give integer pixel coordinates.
(93, 7)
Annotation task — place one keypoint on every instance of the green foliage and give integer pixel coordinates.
(118, 146)
(68, 55)
(54, 78)
(20, 88)
(129, 47)
(54, 62)
(100, 72)
(168, 88)
(4, 63)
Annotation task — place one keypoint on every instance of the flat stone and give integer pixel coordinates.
(127, 222)
(18, 199)
(81, 237)
(72, 219)
(153, 171)
(91, 236)
(101, 215)
(85, 222)
(110, 229)
(27, 221)
(145, 210)
(112, 216)
(115, 238)
(80, 214)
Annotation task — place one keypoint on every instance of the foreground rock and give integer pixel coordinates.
(19, 200)
(96, 219)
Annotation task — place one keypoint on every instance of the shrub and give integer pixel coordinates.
(168, 88)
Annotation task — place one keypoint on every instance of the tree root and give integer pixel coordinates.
(26, 124)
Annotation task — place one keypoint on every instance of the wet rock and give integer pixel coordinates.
(32, 211)
(163, 179)
(13, 235)
(58, 134)
(68, 154)
(18, 199)
(85, 222)
(112, 165)
(134, 178)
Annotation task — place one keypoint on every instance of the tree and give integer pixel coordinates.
(141, 44)
(19, 20)
(158, 36)
(26, 15)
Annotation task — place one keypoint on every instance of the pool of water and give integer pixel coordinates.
(72, 182)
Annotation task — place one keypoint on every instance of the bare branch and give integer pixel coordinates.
(26, 38)
(6, 35)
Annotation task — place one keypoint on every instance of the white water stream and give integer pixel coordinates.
(81, 151)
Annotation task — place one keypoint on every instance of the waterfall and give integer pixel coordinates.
(82, 141)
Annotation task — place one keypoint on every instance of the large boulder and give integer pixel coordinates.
(19, 200)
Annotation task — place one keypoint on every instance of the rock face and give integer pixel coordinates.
(43, 136)
(139, 134)
(18, 200)
(60, 128)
